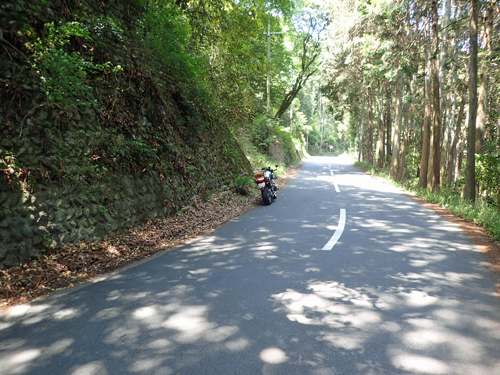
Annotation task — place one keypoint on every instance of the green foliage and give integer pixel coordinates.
(64, 74)
(488, 171)
(261, 134)
(167, 31)
(364, 166)
(47, 241)
(134, 151)
(480, 212)
(272, 140)
(241, 184)
(287, 147)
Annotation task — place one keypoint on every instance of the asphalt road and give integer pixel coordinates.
(342, 274)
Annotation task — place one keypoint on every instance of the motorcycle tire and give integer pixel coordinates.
(266, 196)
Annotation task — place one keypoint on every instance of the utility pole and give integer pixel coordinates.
(268, 90)
(320, 120)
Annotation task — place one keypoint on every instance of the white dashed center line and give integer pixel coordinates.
(338, 231)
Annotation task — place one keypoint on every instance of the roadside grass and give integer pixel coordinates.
(479, 212)
(367, 167)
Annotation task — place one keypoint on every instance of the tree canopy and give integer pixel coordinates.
(402, 72)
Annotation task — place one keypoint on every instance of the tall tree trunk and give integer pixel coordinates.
(446, 102)
(461, 150)
(445, 134)
(426, 137)
(436, 100)
(484, 78)
(470, 177)
(450, 177)
(381, 131)
(388, 123)
(361, 154)
(405, 142)
(369, 135)
(393, 170)
(481, 110)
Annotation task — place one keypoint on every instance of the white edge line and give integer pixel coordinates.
(338, 232)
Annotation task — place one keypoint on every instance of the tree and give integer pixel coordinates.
(394, 169)
(470, 175)
(426, 136)
(436, 126)
(485, 76)
(309, 42)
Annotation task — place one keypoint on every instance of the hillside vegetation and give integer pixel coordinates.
(108, 118)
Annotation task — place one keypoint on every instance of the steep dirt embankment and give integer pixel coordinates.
(96, 134)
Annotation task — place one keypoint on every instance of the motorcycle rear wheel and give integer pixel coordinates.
(266, 196)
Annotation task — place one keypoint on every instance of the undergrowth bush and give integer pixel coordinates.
(65, 74)
(261, 134)
(285, 142)
(242, 184)
(479, 212)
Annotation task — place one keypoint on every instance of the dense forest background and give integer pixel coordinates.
(101, 99)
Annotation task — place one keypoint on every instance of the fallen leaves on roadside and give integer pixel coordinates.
(75, 263)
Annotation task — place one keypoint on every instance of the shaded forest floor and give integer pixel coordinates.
(74, 264)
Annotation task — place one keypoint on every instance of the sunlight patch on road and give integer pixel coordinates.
(384, 225)
(237, 345)
(418, 298)
(66, 314)
(25, 356)
(200, 271)
(359, 180)
(27, 309)
(159, 344)
(418, 364)
(144, 312)
(19, 361)
(146, 366)
(351, 313)
(440, 279)
(273, 356)
(330, 179)
(92, 368)
(446, 226)
(190, 323)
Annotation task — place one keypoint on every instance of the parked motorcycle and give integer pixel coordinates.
(266, 184)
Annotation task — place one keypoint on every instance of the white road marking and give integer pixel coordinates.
(338, 231)
(334, 183)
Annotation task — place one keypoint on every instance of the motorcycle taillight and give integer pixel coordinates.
(259, 180)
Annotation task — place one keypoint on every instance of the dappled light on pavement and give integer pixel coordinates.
(402, 292)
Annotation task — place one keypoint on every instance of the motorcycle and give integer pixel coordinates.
(265, 182)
